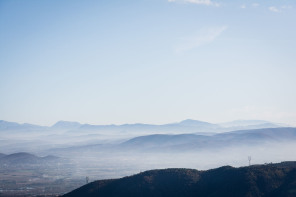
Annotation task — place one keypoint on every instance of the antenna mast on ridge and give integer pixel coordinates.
(249, 158)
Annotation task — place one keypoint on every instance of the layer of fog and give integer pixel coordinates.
(99, 165)
(91, 155)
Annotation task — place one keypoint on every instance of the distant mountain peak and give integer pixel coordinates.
(66, 125)
(21, 154)
(24, 158)
(251, 121)
(191, 122)
(6, 125)
(243, 123)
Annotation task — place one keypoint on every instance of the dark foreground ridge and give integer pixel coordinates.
(272, 180)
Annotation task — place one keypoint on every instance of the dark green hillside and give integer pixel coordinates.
(254, 181)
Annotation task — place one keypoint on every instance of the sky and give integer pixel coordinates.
(147, 61)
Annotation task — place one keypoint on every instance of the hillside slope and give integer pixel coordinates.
(192, 142)
(254, 181)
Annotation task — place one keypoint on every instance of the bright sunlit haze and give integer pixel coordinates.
(156, 61)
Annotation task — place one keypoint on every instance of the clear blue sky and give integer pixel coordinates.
(149, 61)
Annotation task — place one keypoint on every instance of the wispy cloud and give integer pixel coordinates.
(286, 7)
(255, 5)
(243, 6)
(274, 9)
(203, 37)
(279, 9)
(199, 2)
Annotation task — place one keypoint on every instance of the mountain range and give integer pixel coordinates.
(185, 126)
(196, 142)
(193, 142)
(23, 159)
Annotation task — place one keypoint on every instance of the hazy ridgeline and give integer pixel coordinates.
(112, 151)
(270, 180)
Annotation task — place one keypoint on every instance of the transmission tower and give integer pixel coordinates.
(249, 158)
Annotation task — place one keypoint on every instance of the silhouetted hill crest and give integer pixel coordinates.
(254, 181)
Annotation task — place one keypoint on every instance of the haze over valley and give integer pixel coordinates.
(61, 156)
